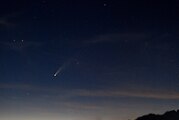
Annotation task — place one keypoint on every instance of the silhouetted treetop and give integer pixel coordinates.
(170, 115)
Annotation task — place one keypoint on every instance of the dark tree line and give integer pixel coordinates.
(170, 115)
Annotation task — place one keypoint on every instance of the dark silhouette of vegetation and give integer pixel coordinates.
(170, 115)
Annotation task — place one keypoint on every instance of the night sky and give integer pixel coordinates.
(88, 59)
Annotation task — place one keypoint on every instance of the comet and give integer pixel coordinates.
(61, 68)
(58, 71)
(65, 65)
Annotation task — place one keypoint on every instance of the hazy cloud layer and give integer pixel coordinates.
(161, 94)
(6, 20)
(117, 37)
(140, 93)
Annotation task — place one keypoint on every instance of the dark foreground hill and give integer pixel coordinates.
(170, 115)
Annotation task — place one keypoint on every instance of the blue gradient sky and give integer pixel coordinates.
(117, 60)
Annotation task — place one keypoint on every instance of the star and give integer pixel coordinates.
(104, 4)
(44, 1)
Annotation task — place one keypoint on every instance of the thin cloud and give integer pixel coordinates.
(6, 20)
(24, 87)
(77, 105)
(6, 23)
(30, 87)
(16, 86)
(107, 38)
(137, 93)
(130, 93)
